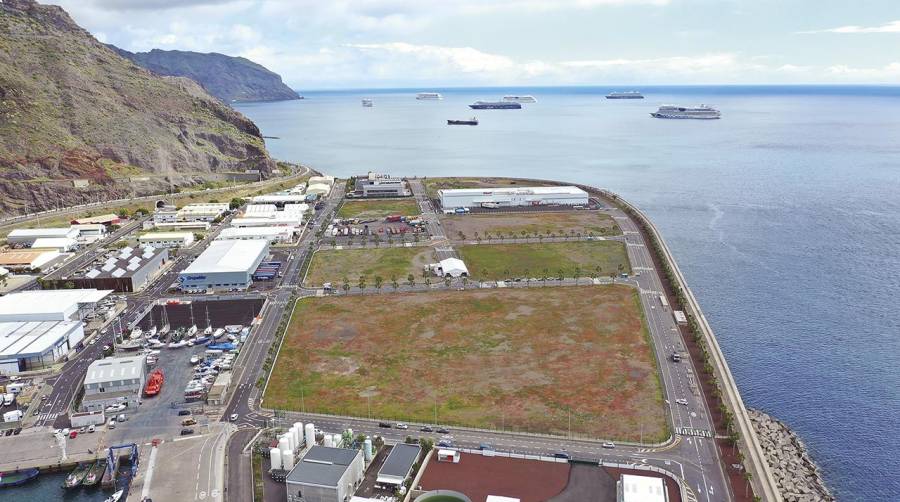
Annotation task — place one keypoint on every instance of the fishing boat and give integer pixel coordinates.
(136, 333)
(208, 331)
(472, 122)
(152, 332)
(95, 474)
(154, 383)
(192, 331)
(218, 333)
(77, 476)
(115, 496)
(16, 478)
(234, 328)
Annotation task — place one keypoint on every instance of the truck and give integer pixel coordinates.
(8, 398)
(394, 218)
(490, 205)
(663, 301)
(13, 416)
(676, 357)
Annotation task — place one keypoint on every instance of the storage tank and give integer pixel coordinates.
(310, 433)
(275, 455)
(284, 444)
(287, 460)
(298, 428)
(367, 449)
(328, 441)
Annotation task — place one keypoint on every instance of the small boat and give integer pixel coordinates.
(368, 103)
(95, 474)
(152, 332)
(192, 331)
(77, 476)
(208, 331)
(136, 333)
(16, 478)
(115, 496)
(195, 359)
(218, 333)
(471, 122)
(154, 383)
(234, 328)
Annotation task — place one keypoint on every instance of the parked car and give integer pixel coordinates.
(182, 413)
(91, 428)
(384, 424)
(17, 431)
(187, 432)
(188, 421)
(402, 426)
(72, 434)
(112, 423)
(234, 417)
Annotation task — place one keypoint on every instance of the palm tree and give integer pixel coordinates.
(749, 477)
(447, 281)
(362, 282)
(411, 279)
(333, 243)
(346, 287)
(506, 273)
(379, 281)
(523, 233)
(465, 281)
(577, 273)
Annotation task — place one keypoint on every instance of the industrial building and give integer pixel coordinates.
(325, 475)
(398, 465)
(103, 219)
(90, 232)
(201, 226)
(201, 211)
(321, 180)
(38, 328)
(167, 239)
(27, 236)
(61, 244)
(27, 258)
(379, 185)
(279, 199)
(269, 234)
(113, 380)
(126, 271)
(265, 215)
(513, 196)
(631, 488)
(224, 266)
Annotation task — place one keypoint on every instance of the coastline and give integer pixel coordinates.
(796, 473)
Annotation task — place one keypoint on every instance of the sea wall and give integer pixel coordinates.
(796, 475)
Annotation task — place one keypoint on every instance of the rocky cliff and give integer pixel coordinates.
(73, 109)
(226, 77)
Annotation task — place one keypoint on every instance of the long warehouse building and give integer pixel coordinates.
(225, 265)
(513, 196)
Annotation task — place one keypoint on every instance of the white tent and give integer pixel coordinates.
(453, 267)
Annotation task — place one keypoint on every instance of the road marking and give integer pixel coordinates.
(690, 431)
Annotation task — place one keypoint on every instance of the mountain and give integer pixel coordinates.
(226, 77)
(71, 108)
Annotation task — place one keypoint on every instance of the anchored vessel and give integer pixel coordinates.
(77, 476)
(472, 122)
(429, 96)
(16, 478)
(625, 95)
(368, 103)
(520, 99)
(495, 105)
(702, 112)
(95, 474)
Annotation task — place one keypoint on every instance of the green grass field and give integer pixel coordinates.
(536, 359)
(551, 259)
(378, 208)
(333, 265)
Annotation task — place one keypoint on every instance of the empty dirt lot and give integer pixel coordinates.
(508, 225)
(333, 265)
(524, 359)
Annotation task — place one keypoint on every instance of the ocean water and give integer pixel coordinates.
(784, 215)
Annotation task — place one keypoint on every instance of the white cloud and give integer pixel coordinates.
(891, 27)
(889, 73)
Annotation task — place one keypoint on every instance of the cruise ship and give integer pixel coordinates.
(520, 99)
(625, 95)
(495, 105)
(701, 112)
(429, 96)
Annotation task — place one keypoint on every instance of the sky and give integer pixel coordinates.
(333, 44)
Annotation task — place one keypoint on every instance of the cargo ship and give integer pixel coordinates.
(77, 476)
(16, 478)
(154, 383)
(95, 474)
(471, 122)
(495, 105)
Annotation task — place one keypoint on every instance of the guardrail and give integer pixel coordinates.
(763, 481)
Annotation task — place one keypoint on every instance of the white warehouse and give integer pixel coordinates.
(167, 239)
(269, 234)
(513, 196)
(225, 265)
(27, 236)
(113, 380)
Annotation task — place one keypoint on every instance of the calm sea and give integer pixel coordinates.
(785, 216)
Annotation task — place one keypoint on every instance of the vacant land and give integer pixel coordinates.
(333, 265)
(549, 259)
(378, 208)
(521, 359)
(432, 185)
(559, 224)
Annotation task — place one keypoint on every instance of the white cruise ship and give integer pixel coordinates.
(520, 99)
(429, 96)
(702, 112)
